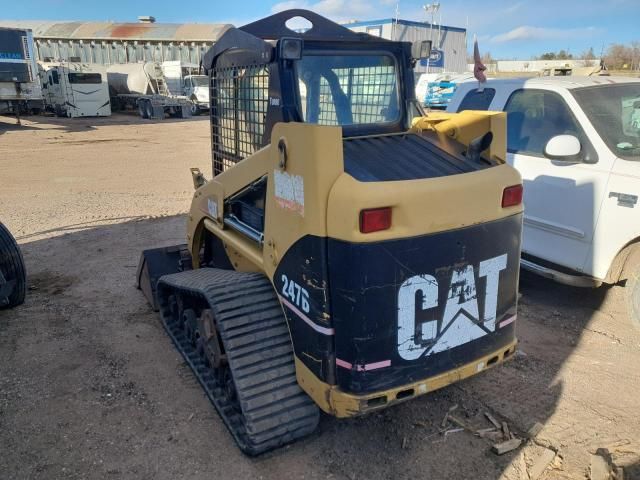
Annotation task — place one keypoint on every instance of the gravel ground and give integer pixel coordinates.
(91, 387)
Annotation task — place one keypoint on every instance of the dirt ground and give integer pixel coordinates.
(91, 387)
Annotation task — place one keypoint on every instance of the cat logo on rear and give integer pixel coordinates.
(461, 322)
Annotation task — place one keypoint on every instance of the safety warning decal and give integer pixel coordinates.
(289, 191)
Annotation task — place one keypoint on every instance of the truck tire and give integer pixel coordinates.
(13, 277)
(632, 287)
(195, 108)
(148, 109)
(142, 110)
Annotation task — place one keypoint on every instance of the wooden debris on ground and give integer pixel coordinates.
(495, 436)
(493, 420)
(503, 439)
(505, 431)
(507, 446)
(483, 431)
(460, 423)
(453, 430)
(445, 420)
(535, 430)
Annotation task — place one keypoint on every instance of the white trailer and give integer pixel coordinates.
(143, 86)
(185, 79)
(19, 86)
(75, 89)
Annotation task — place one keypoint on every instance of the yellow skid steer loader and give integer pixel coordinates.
(349, 252)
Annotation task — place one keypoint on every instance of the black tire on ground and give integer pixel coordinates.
(632, 287)
(195, 108)
(148, 109)
(14, 286)
(142, 109)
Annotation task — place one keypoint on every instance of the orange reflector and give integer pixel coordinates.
(375, 219)
(512, 196)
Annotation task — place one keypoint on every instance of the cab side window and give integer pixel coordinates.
(477, 100)
(534, 117)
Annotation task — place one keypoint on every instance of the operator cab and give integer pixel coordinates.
(265, 73)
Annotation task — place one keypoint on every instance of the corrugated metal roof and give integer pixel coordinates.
(188, 32)
(411, 23)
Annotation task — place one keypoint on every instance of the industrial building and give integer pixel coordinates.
(449, 52)
(110, 42)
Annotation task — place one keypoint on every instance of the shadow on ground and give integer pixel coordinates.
(91, 387)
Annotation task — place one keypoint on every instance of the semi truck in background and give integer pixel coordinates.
(19, 86)
(186, 79)
(143, 86)
(75, 89)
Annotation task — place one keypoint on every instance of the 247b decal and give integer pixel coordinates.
(295, 293)
(461, 321)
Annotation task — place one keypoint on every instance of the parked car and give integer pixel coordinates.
(576, 143)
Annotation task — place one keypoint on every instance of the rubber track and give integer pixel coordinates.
(275, 410)
(12, 266)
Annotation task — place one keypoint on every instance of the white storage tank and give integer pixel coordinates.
(142, 78)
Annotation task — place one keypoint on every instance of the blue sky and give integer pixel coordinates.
(516, 29)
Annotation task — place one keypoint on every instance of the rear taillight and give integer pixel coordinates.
(375, 219)
(512, 196)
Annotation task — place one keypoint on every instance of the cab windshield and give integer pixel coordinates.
(348, 89)
(200, 80)
(614, 111)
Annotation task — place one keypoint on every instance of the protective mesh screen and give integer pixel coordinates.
(367, 90)
(239, 99)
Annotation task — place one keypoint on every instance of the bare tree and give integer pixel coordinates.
(635, 55)
(619, 57)
(589, 57)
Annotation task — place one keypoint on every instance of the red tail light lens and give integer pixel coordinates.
(375, 219)
(512, 196)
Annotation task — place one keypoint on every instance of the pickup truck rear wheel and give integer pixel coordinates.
(632, 288)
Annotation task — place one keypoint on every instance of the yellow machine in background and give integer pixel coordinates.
(349, 253)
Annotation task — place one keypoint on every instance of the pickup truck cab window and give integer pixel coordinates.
(614, 111)
(534, 117)
(477, 99)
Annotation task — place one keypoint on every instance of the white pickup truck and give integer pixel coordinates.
(576, 143)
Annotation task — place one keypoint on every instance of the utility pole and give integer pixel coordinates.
(433, 9)
(394, 26)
